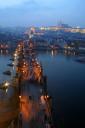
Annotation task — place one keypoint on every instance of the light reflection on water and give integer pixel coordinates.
(66, 84)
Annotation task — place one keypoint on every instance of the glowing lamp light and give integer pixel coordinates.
(47, 96)
(19, 97)
(15, 55)
(6, 84)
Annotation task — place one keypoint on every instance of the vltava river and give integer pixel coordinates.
(66, 84)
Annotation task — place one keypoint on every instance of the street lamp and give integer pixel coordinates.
(4, 86)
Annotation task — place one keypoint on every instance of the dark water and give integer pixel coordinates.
(66, 84)
(4, 60)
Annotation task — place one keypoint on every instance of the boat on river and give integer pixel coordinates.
(11, 65)
(8, 72)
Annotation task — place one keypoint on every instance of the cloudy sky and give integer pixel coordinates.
(42, 12)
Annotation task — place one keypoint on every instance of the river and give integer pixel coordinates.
(66, 84)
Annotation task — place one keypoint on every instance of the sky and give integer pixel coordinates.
(42, 12)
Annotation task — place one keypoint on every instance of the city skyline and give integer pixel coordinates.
(41, 12)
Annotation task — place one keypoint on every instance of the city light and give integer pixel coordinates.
(15, 55)
(6, 84)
